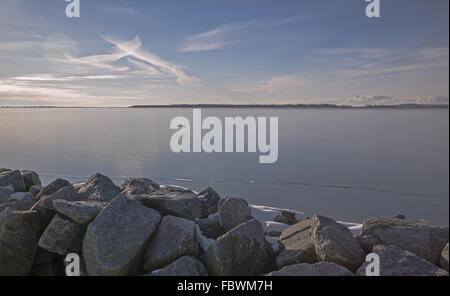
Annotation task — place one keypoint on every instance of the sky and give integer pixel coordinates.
(122, 53)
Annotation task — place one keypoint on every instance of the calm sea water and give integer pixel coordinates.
(346, 164)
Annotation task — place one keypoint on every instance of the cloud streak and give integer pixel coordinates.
(234, 32)
(147, 62)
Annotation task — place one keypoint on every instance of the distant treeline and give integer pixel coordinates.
(289, 106)
(271, 106)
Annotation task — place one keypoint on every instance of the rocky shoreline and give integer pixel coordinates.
(145, 228)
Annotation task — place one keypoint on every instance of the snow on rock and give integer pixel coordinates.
(266, 215)
(355, 228)
(274, 227)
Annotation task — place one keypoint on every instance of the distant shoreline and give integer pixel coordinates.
(247, 106)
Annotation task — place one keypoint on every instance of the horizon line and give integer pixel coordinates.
(294, 105)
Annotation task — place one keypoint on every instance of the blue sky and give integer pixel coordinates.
(121, 53)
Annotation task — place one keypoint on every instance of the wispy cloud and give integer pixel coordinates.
(217, 37)
(276, 84)
(234, 32)
(28, 92)
(45, 77)
(127, 73)
(148, 62)
(117, 9)
(133, 49)
(20, 46)
(231, 33)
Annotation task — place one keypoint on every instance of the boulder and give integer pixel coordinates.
(175, 201)
(184, 266)
(210, 201)
(174, 238)
(334, 242)
(241, 251)
(286, 217)
(210, 227)
(397, 262)
(233, 212)
(30, 178)
(98, 188)
(62, 236)
(13, 180)
(444, 258)
(138, 186)
(19, 234)
(45, 204)
(66, 193)
(53, 187)
(423, 238)
(34, 190)
(298, 245)
(43, 256)
(115, 241)
(24, 203)
(5, 194)
(82, 212)
(316, 269)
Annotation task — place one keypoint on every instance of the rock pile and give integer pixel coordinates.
(144, 228)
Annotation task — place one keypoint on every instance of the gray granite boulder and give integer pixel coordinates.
(298, 245)
(45, 204)
(444, 258)
(175, 237)
(316, 269)
(175, 201)
(13, 180)
(114, 243)
(66, 193)
(19, 235)
(210, 227)
(53, 187)
(334, 242)
(62, 236)
(397, 262)
(286, 217)
(241, 251)
(23, 203)
(184, 266)
(5, 194)
(210, 201)
(30, 178)
(97, 188)
(423, 238)
(138, 186)
(82, 212)
(34, 190)
(233, 212)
